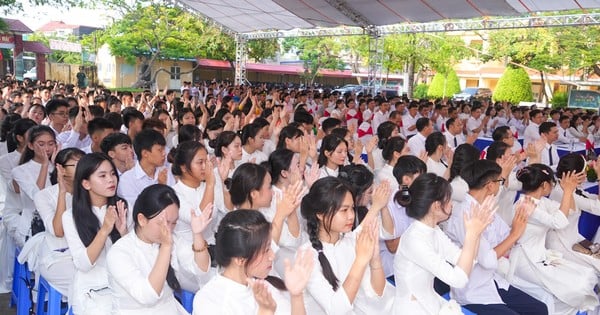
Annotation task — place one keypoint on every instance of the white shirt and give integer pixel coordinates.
(417, 144)
(378, 119)
(517, 124)
(532, 133)
(378, 160)
(26, 175)
(423, 254)
(473, 124)
(45, 202)
(481, 288)
(224, 296)
(257, 155)
(386, 173)
(325, 171)
(319, 296)
(133, 181)
(130, 262)
(460, 139)
(89, 277)
(565, 136)
(407, 122)
(438, 168)
(401, 222)
(549, 150)
(70, 139)
(459, 189)
(190, 198)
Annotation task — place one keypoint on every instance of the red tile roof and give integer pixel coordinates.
(283, 69)
(17, 26)
(36, 47)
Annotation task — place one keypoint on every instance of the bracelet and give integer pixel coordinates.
(203, 248)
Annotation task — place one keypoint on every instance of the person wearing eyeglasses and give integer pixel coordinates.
(488, 292)
(58, 114)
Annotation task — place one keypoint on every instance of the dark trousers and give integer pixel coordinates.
(517, 302)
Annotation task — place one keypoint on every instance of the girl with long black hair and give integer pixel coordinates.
(97, 219)
(349, 278)
(141, 265)
(244, 254)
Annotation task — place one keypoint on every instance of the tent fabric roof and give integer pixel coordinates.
(244, 16)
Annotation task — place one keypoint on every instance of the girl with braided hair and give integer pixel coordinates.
(348, 278)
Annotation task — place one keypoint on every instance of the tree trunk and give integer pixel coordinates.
(148, 72)
(544, 95)
(411, 78)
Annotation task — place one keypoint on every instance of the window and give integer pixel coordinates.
(175, 72)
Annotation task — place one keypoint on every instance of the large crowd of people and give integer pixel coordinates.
(265, 199)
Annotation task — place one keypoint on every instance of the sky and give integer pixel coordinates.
(36, 16)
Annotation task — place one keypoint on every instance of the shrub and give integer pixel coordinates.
(514, 86)
(420, 91)
(451, 85)
(559, 99)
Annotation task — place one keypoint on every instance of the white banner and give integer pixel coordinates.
(65, 46)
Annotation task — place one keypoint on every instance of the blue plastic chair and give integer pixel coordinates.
(53, 305)
(20, 293)
(186, 298)
(581, 313)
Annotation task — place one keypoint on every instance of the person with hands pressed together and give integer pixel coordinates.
(488, 292)
(33, 175)
(426, 252)
(97, 219)
(54, 261)
(243, 251)
(349, 278)
(570, 284)
(141, 265)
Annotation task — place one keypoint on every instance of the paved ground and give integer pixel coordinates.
(4, 309)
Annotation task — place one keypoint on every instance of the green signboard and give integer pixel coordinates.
(584, 99)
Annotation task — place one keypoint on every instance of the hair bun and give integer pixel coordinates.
(228, 183)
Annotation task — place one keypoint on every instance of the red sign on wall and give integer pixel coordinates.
(7, 39)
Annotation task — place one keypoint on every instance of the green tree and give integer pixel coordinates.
(578, 49)
(560, 99)
(514, 86)
(149, 32)
(444, 85)
(317, 53)
(261, 49)
(535, 48)
(415, 53)
(420, 91)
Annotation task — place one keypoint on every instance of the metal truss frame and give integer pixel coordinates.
(241, 56)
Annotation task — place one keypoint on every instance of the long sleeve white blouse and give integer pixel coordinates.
(320, 298)
(88, 276)
(224, 296)
(423, 254)
(129, 262)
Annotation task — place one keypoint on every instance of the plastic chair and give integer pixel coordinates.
(186, 298)
(19, 296)
(581, 313)
(53, 305)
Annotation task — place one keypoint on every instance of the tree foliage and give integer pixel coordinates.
(514, 86)
(420, 91)
(444, 85)
(317, 53)
(416, 53)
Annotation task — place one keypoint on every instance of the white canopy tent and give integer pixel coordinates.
(254, 19)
